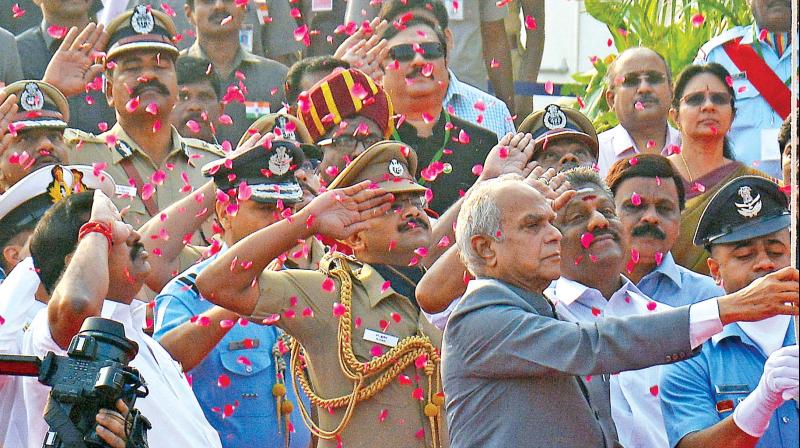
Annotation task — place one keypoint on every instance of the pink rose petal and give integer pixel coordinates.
(586, 240)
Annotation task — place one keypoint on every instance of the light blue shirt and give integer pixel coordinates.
(461, 99)
(254, 420)
(753, 114)
(634, 408)
(702, 391)
(676, 286)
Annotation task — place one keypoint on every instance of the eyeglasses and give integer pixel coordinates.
(407, 52)
(357, 144)
(403, 200)
(697, 99)
(634, 79)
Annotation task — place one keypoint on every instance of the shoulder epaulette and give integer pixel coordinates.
(204, 146)
(76, 135)
(188, 281)
(721, 39)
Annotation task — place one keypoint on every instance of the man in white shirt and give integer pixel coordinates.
(638, 90)
(594, 250)
(20, 296)
(105, 268)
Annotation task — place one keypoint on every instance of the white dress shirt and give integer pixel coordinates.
(171, 405)
(616, 143)
(18, 306)
(635, 407)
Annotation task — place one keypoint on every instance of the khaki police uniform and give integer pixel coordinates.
(369, 320)
(182, 164)
(145, 187)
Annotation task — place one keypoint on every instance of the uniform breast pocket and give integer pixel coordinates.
(729, 396)
(747, 98)
(252, 375)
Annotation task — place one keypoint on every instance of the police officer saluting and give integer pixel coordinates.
(142, 146)
(370, 356)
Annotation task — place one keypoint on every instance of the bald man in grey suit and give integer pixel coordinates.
(511, 368)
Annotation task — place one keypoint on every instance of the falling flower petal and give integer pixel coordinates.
(147, 191)
(586, 240)
(636, 199)
(659, 258)
(17, 11)
(698, 20)
(338, 309)
(477, 169)
(634, 255)
(376, 351)
(639, 106)
(697, 186)
(548, 87)
(654, 390)
(57, 32)
(223, 381)
(385, 286)
(193, 126)
(132, 104)
(651, 305)
(530, 23)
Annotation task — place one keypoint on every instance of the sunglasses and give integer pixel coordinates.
(407, 52)
(652, 78)
(403, 200)
(351, 142)
(697, 99)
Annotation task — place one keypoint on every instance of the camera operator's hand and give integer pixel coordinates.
(113, 425)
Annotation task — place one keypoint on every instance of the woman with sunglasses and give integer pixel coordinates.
(703, 110)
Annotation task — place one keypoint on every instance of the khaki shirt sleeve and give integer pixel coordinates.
(295, 301)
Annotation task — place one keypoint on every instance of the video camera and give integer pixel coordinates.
(93, 375)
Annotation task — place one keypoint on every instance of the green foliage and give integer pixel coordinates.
(675, 28)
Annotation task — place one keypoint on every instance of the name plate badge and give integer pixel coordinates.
(380, 338)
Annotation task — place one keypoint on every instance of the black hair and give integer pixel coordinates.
(393, 31)
(394, 9)
(689, 73)
(56, 236)
(646, 165)
(300, 68)
(785, 132)
(586, 176)
(192, 70)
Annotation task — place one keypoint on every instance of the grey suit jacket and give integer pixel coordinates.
(510, 367)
